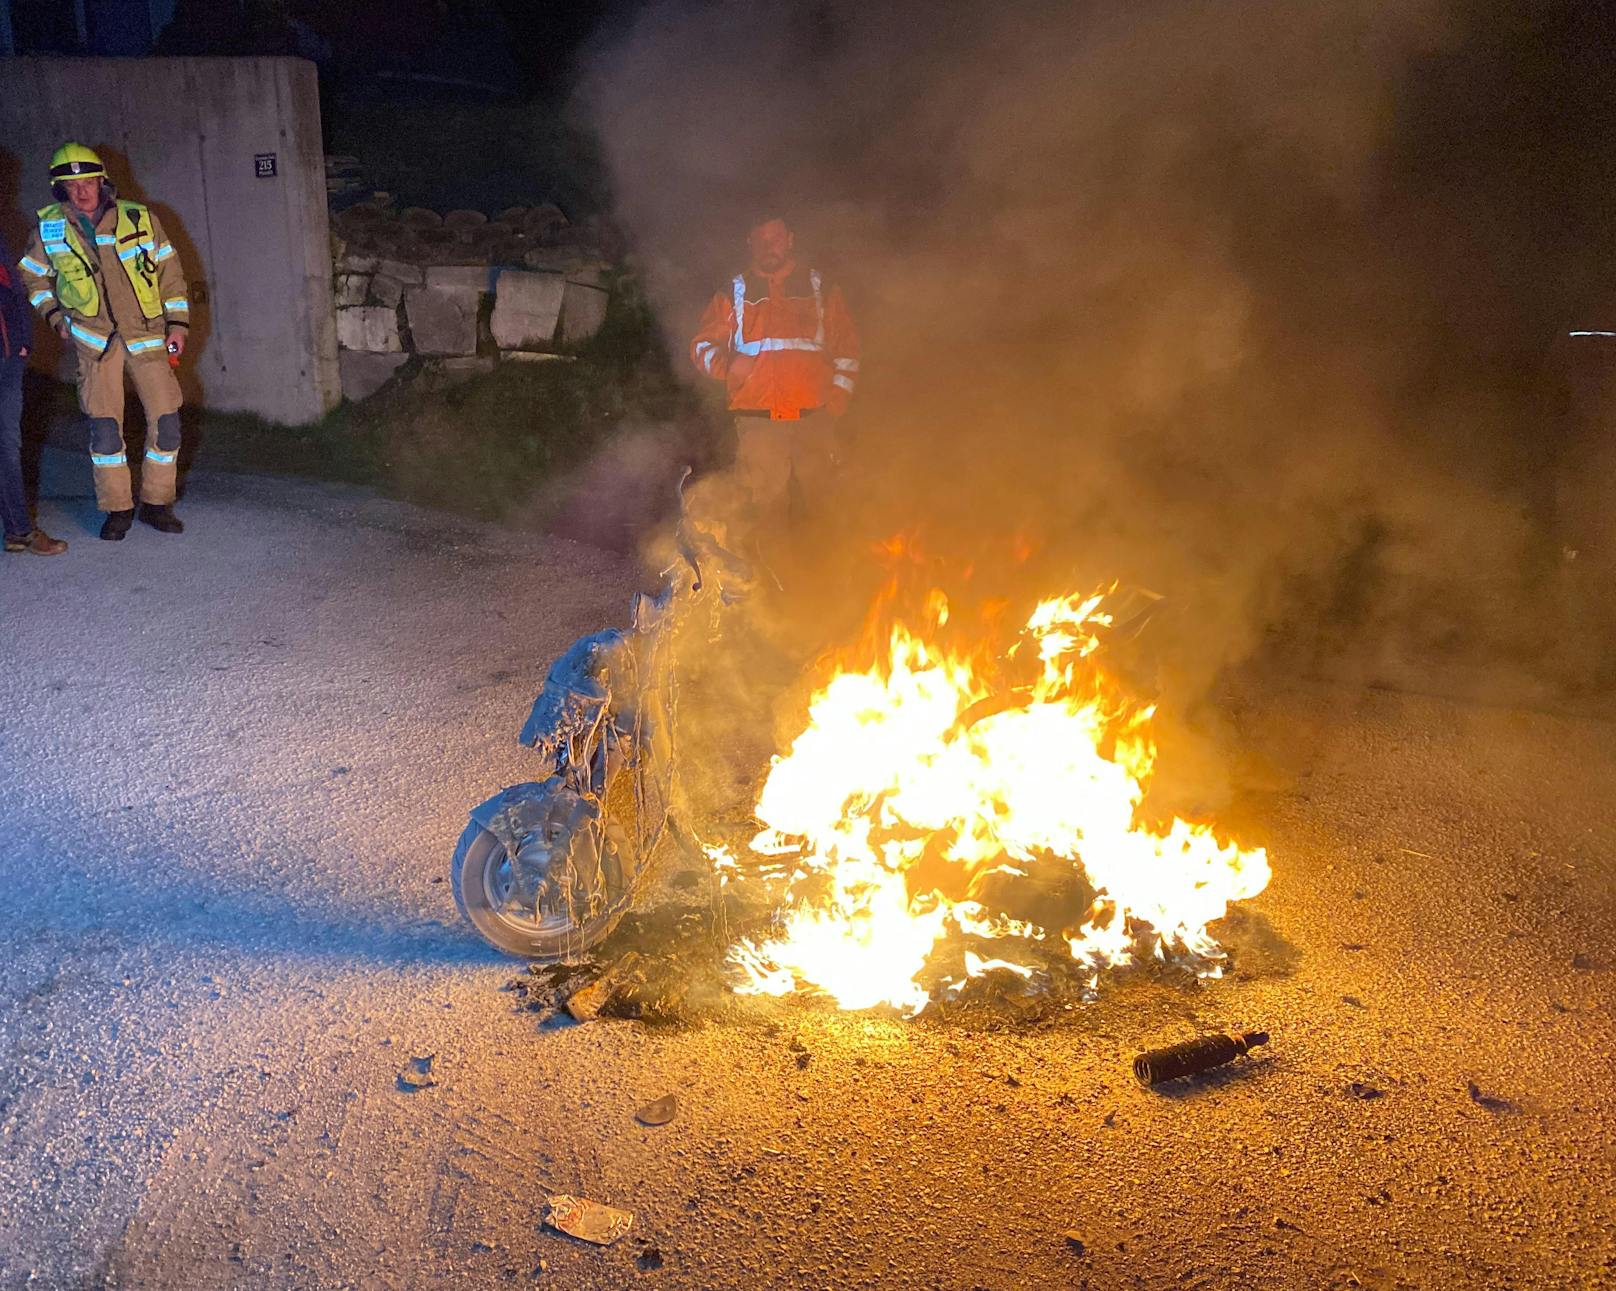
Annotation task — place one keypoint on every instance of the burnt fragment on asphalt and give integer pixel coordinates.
(1489, 1102)
(417, 1075)
(658, 1112)
(586, 1003)
(589, 1221)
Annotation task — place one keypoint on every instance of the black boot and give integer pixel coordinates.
(116, 525)
(161, 517)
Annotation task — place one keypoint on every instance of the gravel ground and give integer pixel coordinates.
(237, 762)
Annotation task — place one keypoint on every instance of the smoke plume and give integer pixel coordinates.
(1227, 300)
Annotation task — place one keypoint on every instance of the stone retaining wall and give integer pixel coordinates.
(460, 292)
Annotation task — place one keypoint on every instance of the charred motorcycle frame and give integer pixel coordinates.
(548, 867)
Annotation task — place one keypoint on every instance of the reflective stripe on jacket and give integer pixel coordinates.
(65, 274)
(781, 343)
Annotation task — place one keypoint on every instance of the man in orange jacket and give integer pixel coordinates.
(782, 341)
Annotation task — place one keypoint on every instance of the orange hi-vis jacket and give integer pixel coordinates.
(783, 344)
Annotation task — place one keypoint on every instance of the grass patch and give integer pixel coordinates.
(483, 446)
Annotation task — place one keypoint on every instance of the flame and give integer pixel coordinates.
(919, 777)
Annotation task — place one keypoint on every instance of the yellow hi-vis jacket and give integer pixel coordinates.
(65, 276)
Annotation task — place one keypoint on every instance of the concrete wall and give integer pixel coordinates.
(182, 134)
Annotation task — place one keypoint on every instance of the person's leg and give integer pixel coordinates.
(101, 399)
(813, 462)
(763, 462)
(21, 534)
(160, 396)
(14, 518)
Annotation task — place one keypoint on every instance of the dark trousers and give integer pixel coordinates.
(14, 517)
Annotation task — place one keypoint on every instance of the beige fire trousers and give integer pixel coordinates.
(770, 455)
(101, 395)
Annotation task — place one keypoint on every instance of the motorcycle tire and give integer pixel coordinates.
(474, 875)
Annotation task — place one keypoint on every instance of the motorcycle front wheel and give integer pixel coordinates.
(482, 880)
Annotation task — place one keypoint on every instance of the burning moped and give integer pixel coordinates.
(546, 868)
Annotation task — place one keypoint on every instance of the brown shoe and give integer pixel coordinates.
(38, 542)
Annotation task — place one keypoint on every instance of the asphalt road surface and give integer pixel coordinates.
(235, 764)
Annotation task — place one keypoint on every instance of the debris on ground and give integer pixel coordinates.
(544, 988)
(417, 1075)
(649, 1258)
(1490, 1102)
(1362, 1090)
(1074, 1240)
(586, 1003)
(589, 1221)
(659, 1112)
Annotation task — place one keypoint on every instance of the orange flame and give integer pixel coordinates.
(918, 778)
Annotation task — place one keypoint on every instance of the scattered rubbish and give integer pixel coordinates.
(659, 1112)
(417, 1074)
(1354, 1001)
(1582, 963)
(1358, 1089)
(544, 988)
(1110, 1121)
(586, 1003)
(587, 1220)
(1074, 1240)
(1281, 1222)
(1490, 1102)
(1353, 945)
(1193, 1056)
(649, 1258)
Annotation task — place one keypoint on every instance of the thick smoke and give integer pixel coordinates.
(1227, 300)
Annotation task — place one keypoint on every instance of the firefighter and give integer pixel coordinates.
(106, 278)
(780, 337)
